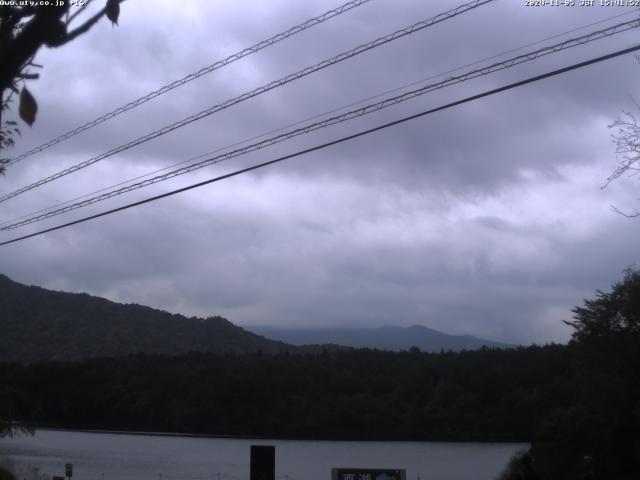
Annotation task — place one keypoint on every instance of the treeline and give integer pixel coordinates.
(361, 394)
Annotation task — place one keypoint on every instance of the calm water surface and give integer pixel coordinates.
(111, 456)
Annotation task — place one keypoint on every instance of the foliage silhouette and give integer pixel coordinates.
(597, 435)
(25, 27)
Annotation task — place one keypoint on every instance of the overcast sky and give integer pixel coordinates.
(486, 219)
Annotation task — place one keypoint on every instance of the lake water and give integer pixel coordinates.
(114, 456)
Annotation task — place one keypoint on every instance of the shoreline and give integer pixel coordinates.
(266, 438)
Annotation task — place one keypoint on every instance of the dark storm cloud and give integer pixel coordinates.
(484, 219)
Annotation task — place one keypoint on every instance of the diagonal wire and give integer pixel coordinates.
(340, 140)
(320, 115)
(374, 107)
(192, 76)
(265, 88)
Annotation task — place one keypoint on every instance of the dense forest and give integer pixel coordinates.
(362, 394)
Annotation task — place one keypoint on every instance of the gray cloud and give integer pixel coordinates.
(487, 218)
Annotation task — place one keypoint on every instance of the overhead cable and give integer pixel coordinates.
(371, 108)
(265, 88)
(192, 76)
(335, 142)
(313, 117)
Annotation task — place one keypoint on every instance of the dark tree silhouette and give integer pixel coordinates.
(611, 313)
(24, 29)
(597, 435)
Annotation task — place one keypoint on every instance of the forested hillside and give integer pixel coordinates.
(39, 325)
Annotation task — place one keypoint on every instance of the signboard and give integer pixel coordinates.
(68, 469)
(368, 474)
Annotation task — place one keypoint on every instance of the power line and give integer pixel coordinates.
(335, 142)
(338, 119)
(526, 57)
(192, 76)
(300, 122)
(265, 88)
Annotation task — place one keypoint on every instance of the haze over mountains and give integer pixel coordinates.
(40, 325)
(383, 338)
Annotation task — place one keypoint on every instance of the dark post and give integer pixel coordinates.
(263, 462)
(68, 470)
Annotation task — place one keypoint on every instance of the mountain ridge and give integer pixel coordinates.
(39, 325)
(383, 338)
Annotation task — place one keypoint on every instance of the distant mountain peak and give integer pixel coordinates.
(384, 338)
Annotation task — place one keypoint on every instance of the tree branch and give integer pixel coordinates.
(82, 28)
(78, 31)
(29, 76)
(635, 213)
(78, 12)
